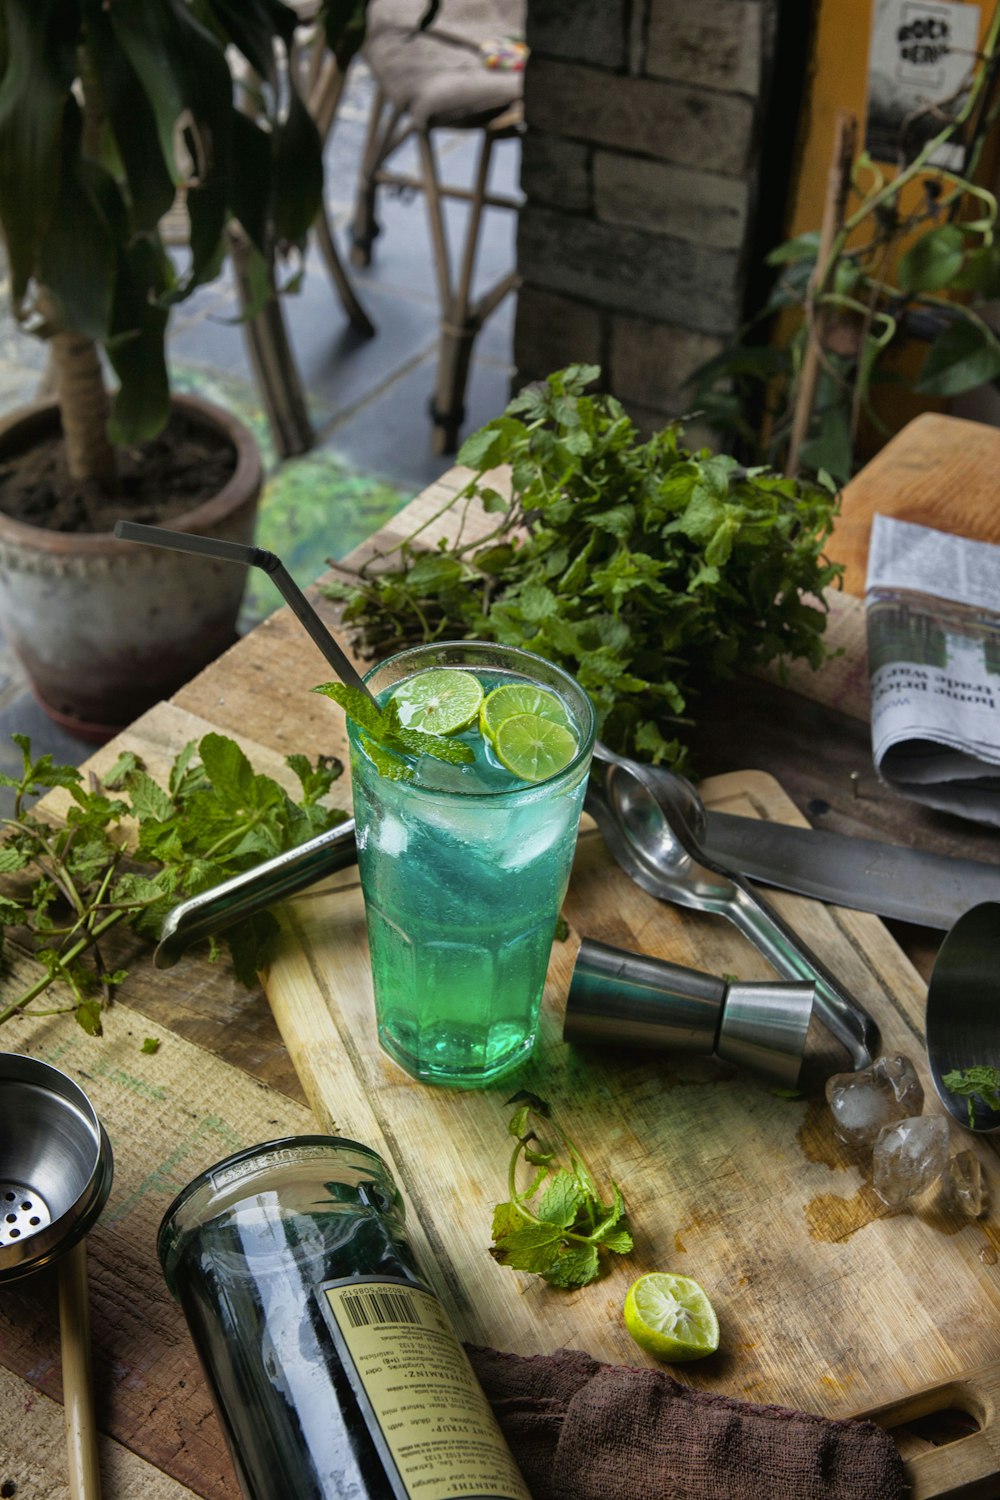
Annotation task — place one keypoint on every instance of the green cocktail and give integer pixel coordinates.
(464, 867)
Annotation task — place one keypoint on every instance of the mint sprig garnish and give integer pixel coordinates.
(385, 737)
(975, 1083)
(558, 1225)
(129, 850)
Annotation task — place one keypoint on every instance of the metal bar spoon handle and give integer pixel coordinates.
(254, 890)
(655, 846)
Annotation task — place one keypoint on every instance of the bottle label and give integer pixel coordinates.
(424, 1407)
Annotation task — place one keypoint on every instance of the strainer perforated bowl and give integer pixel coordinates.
(55, 1164)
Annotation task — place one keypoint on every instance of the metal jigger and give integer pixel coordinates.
(55, 1176)
(630, 999)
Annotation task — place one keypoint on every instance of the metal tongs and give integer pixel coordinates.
(660, 852)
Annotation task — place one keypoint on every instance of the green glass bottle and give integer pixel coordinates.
(334, 1369)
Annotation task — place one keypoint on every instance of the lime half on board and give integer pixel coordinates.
(671, 1318)
(534, 748)
(441, 700)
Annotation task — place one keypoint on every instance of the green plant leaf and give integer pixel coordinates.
(250, 188)
(963, 356)
(804, 247)
(572, 1266)
(151, 188)
(562, 1199)
(251, 26)
(298, 173)
(39, 69)
(933, 260)
(141, 405)
(77, 256)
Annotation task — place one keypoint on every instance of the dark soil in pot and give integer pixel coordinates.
(157, 480)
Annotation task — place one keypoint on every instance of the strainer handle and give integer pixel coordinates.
(78, 1388)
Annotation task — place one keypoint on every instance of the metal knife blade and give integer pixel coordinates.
(890, 880)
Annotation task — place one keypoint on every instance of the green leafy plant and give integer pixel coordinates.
(558, 1225)
(975, 1083)
(649, 571)
(129, 850)
(914, 259)
(110, 110)
(386, 739)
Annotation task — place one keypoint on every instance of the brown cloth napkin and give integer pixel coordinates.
(581, 1430)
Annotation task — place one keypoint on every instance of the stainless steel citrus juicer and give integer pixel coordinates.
(644, 830)
(55, 1175)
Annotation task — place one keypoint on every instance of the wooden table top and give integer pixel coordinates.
(811, 734)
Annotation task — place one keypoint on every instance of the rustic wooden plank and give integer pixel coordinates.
(169, 1115)
(814, 1280)
(199, 1000)
(33, 1454)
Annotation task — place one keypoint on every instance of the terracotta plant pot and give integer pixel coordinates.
(106, 628)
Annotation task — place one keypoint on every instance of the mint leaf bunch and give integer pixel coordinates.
(981, 1083)
(558, 1225)
(649, 571)
(385, 739)
(129, 850)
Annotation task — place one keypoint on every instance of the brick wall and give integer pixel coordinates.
(640, 177)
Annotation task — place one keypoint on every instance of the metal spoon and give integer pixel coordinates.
(648, 832)
(963, 1004)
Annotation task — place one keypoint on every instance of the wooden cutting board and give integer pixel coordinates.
(826, 1300)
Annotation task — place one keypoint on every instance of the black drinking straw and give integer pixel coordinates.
(256, 557)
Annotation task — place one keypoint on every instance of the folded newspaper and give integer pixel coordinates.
(933, 623)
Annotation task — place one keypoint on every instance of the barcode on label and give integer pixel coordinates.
(363, 1308)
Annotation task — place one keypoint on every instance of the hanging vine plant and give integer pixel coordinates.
(909, 256)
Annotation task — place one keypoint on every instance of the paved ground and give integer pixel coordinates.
(369, 398)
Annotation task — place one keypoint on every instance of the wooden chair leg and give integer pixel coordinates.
(364, 227)
(345, 290)
(460, 320)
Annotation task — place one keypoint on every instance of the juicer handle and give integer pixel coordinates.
(254, 890)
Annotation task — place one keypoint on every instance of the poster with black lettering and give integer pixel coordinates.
(920, 56)
(932, 612)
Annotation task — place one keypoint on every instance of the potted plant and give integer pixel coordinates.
(892, 297)
(111, 113)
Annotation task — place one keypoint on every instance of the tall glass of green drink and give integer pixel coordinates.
(464, 867)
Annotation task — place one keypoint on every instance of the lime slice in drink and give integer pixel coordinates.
(671, 1318)
(534, 748)
(520, 698)
(441, 700)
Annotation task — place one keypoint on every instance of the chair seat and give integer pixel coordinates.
(439, 76)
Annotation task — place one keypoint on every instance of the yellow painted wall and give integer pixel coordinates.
(838, 80)
(839, 71)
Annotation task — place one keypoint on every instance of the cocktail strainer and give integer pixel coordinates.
(55, 1176)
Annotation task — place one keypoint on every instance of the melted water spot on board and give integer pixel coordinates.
(832, 1219)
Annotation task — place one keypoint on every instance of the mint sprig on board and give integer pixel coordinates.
(648, 570)
(558, 1225)
(971, 1084)
(385, 738)
(128, 851)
